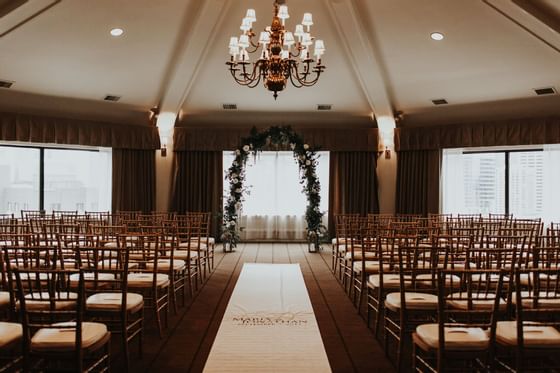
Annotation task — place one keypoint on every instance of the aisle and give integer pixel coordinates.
(349, 345)
(269, 325)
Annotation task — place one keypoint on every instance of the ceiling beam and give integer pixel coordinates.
(192, 54)
(530, 19)
(362, 55)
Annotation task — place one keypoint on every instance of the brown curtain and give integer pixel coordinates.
(218, 139)
(418, 175)
(531, 131)
(52, 130)
(197, 184)
(352, 184)
(134, 180)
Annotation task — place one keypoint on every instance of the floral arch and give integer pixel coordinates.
(306, 157)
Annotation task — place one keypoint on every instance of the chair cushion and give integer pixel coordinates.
(89, 277)
(389, 281)
(165, 264)
(552, 302)
(4, 299)
(426, 279)
(193, 246)
(183, 254)
(209, 240)
(414, 301)
(456, 338)
(109, 264)
(36, 302)
(112, 302)
(145, 280)
(533, 335)
(480, 301)
(49, 339)
(372, 266)
(9, 333)
(525, 277)
(483, 278)
(358, 255)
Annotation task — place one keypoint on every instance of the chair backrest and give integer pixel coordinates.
(470, 298)
(537, 296)
(47, 300)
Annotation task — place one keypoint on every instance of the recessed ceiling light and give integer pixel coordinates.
(117, 31)
(437, 36)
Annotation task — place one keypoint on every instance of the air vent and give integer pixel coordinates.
(229, 106)
(324, 107)
(6, 84)
(440, 101)
(112, 98)
(545, 91)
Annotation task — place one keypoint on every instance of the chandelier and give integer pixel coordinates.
(282, 55)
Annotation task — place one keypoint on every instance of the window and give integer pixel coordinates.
(275, 206)
(19, 179)
(77, 180)
(36, 178)
(474, 183)
(517, 181)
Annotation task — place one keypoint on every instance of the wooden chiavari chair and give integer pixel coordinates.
(414, 301)
(105, 273)
(463, 338)
(185, 230)
(387, 278)
(56, 338)
(98, 217)
(196, 223)
(531, 341)
(341, 242)
(65, 217)
(144, 276)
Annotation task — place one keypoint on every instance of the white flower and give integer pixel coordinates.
(302, 158)
(246, 148)
(238, 205)
(233, 176)
(235, 163)
(292, 146)
(235, 181)
(238, 190)
(305, 146)
(308, 162)
(237, 152)
(232, 223)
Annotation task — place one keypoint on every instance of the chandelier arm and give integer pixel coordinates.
(244, 78)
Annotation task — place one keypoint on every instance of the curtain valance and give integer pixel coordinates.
(216, 139)
(501, 133)
(31, 128)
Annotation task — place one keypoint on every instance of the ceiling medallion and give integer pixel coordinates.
(283, 55)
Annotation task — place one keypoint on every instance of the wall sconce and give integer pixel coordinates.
(387, 153)
(165, 124)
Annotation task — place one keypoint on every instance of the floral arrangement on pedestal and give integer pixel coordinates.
(306, 157)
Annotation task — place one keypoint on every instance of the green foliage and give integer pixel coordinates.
(306, 157)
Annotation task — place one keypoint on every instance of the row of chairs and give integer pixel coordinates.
(103, 278)
(418, 284)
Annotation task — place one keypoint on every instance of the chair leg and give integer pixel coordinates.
(400, 346)
(126, 352)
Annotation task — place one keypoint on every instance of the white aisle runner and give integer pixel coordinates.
(269, 325)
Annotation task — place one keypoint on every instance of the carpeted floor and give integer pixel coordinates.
(350, 345)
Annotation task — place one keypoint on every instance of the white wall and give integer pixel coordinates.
(164, 168)
(387, 179)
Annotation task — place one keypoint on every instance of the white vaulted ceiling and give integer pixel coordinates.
(380, 58)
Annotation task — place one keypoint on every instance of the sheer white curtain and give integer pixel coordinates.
(275, 207)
